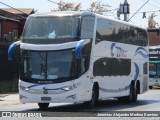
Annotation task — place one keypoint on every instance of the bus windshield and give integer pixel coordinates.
(154, 63)
(154, 69)
(38, 66)
(51, 28)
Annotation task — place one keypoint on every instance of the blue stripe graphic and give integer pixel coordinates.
(141, 51)
(61, 88)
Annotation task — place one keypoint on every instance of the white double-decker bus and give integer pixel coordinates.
(81, 57)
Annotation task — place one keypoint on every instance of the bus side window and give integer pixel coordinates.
(87, 28)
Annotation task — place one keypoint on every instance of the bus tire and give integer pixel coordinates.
(43, 106)
(129, 98)
(135, 94)
(150, 87)
(95, 95)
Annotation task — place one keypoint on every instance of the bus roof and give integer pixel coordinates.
(76, 13)
(61, 13)
(154, 47)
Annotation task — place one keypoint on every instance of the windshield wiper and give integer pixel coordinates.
(44, 66)
(41, 56)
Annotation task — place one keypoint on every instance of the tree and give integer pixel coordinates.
(67, 6)
(95, 7)
(98, 7)
(151, 22)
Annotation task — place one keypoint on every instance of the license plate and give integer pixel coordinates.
(156, 83)
(46, 98)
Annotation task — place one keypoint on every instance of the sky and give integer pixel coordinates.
(46, 6)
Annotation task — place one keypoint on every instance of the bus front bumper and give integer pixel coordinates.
(60, 95)
(154, 82)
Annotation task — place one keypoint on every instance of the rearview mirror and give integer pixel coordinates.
(12, 49)
(78, 50)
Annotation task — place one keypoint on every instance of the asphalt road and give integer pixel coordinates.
(149, 101)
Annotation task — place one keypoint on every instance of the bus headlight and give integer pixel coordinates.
(67, 88)
(24, 88)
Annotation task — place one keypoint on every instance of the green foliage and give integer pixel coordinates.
(98, 7)
(67, 6)
(151, 22)
(95, 7)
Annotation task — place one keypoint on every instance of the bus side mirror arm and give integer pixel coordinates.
(11, 49)
(78, 55)
(78, 50)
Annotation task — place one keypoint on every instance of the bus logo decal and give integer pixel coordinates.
(141, 51)
(117, 51)
(45, 90)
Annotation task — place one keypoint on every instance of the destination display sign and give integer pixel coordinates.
(154, 54)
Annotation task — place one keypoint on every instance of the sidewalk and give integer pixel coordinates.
(9, 99)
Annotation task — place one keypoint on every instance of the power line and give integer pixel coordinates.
(117, 8)
(152, 4)
(114, 9)
(12, 7)
(54, 2)
(131, 21)
(138, 10)
(156, 1)
(148, 12)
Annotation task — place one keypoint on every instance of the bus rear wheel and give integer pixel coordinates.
(133, 94)
(43, 106)
(132, 97)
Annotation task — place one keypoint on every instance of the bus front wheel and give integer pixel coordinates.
(43, 105)
(95, 96)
